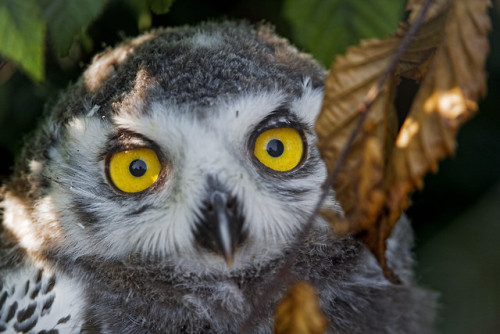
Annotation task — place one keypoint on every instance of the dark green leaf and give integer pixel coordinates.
(327, 27)
(22, 34)
(160, 6)
(66, 19)
(142, 11)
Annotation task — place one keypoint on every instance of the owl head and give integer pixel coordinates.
(193, 145)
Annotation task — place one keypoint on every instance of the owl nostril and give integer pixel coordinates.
(222, 200)
(208, 206)
(227, 202)
(231, 203)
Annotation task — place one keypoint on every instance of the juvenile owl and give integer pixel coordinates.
(165, 189)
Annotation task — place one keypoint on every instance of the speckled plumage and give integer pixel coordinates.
(78, 256)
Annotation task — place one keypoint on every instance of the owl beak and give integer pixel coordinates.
(221, 227)
(223, 234)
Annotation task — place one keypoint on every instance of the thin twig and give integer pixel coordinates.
(282, 278)
(2, 63)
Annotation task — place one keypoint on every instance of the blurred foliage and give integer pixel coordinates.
(23, 24)
(22, 32)
(327, 27)
(456, 216)
(66, 19)
(462, 262)
(160, 6)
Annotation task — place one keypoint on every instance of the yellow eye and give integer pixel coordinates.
(134, 170)
(280, 149)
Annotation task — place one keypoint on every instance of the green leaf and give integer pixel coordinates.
(160, 6)
(142, 11)
(67, 18)
(22, 35)
(327, 27)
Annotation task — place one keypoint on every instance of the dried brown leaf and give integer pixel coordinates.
(447, 55)
(351, 78)
(299, 312)
(446, 99)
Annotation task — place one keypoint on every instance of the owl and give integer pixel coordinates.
(166, 190)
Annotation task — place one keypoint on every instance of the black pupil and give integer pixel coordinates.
(138, 168)
(275, 148)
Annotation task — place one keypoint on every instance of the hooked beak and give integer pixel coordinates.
(221, 228)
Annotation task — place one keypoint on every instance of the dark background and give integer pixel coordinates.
(456, 217)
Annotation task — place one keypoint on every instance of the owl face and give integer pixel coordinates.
(194, 146)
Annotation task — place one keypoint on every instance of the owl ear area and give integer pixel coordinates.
(133, 170)
(280, 149)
